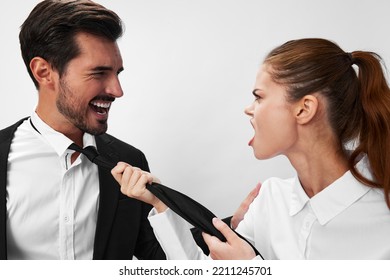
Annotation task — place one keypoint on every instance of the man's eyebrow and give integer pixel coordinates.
(106, 68)
(102, 68)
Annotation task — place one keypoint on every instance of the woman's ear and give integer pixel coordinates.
(42, 71)
(306, 109)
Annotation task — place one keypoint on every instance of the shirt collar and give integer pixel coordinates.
(58, 141)
(332, 200)
(298, 197)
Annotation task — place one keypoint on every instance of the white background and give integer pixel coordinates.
(190, 66)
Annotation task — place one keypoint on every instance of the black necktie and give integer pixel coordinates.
(187, 208)
(93, 155)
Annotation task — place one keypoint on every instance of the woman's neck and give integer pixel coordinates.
(320, 168)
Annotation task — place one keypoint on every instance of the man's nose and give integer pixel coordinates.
(114, 88)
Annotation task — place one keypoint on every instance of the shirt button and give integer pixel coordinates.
(66, 219)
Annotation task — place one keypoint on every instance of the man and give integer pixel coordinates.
(55, 203)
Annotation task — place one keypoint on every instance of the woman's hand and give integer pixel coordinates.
(238, 216)
(133, 183)
(233, 249)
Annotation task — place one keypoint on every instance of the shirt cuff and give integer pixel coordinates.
(174, 235)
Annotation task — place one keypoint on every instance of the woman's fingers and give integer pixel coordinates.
(233, 248)
(133, 181)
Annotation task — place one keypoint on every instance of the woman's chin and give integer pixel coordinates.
(260, 155)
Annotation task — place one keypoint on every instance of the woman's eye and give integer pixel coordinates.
(256, 95)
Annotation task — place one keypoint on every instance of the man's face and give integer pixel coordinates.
(90, 84)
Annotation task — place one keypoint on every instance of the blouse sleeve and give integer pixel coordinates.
(174, 236)
(246, 226)
(254, 227)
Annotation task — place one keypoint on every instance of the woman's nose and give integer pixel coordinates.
(249, 110)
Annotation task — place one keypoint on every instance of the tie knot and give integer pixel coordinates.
(93, 155)
(90, 152)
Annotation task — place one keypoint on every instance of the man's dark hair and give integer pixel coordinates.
(50, 29)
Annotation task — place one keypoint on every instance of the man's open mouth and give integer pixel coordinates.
(100, 107)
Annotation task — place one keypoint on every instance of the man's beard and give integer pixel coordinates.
(75, 113)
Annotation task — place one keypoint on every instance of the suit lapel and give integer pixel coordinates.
(6, 136)
(108, 199)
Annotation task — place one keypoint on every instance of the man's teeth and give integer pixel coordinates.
(101, 105)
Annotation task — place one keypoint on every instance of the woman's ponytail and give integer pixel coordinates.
(374, 137)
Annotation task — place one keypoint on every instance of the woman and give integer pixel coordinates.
(328, 112)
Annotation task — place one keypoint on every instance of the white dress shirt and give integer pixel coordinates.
(52, 204)
(347, 220)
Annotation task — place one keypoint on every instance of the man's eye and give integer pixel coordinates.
(97, 74)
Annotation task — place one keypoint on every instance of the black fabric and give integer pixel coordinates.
(6, 136)
(187, 208)
(93, 155)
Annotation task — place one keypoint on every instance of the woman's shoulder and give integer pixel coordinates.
(276, 188)
(275, 194)
(278, 183)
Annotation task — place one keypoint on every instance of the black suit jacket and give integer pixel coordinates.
(122, 228)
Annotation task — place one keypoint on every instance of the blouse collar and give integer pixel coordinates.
(331, 201)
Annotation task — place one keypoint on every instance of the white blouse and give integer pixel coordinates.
(347, 220)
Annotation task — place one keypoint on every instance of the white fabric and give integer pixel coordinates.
(347, 220)
(52, 204)
(174, 235)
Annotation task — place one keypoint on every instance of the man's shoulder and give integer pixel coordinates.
(117, 146)
(121, 151)
(10, 130)
(115, 143)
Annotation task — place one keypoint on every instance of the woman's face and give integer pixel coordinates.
(272, 118)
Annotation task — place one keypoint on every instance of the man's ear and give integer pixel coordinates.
(306, 109)
(43, 72)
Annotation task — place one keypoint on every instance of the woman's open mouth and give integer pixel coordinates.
(251, 141)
